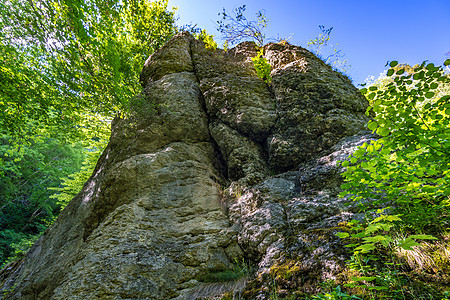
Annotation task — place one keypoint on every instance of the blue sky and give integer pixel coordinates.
(369, 33)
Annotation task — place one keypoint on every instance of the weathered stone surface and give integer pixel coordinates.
(233, 94)
(212, 64)
(294, 216)
(154, 220)
(245, 159)
(168, 227)
(243, 103)
(316, 106)
(173, 57)
(175, 115)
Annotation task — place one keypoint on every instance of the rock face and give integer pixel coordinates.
(214, 166)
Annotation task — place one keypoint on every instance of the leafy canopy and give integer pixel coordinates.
(410, 163)
(64, 62)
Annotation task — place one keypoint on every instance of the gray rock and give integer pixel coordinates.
(244, 157)
(316, 106)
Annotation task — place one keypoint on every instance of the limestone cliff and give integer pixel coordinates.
(213, 166)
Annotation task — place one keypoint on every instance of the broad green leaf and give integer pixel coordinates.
(372, 228)
(376, 239)
(372, 125)
(383, 131)
(343, 235)
(429, 95)
(393, 218)
(393, 63)
(408, 244)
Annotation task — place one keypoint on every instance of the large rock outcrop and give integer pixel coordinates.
(213, 166)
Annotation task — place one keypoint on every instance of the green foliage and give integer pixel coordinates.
(262, 67)
(408, 167)
(327, 51)
(19, 243)
(207, 38)
(63, 62)
(26, 208)
(365, 238)
(72, 184)
(236, 28)
(410, 163)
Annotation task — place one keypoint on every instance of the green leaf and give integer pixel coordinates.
(434, 85)
(378, 288)
(390, 72)
(430, 67)
(429, 95)
(408, 244)
(372, 125)
(418, 76)
(447, 62)
(372, 228)
(383, 131)
(377, 239)
(343, 235)
(393, 63)
(392, 218)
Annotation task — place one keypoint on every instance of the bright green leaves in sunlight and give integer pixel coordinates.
(206, 38)
(65, 60)
(408, 166)
(410, 163)
(262, 67)
(26, 174)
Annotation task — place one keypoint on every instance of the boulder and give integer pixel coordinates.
(212, 167)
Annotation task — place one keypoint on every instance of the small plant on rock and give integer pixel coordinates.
(262, 67)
